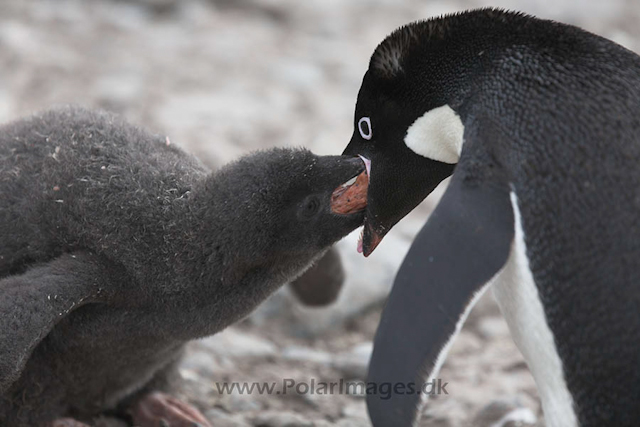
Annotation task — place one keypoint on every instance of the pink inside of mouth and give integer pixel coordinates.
(367, 165)
(360, 250)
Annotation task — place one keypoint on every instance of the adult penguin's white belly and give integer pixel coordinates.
(517, 296)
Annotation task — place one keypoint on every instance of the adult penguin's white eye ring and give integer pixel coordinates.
(364, 126)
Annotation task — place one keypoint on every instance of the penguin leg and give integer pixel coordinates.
(31, 304)
(151, 407)
(465, 242)
(161, 410)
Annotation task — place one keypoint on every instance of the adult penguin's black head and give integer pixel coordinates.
(407, 120)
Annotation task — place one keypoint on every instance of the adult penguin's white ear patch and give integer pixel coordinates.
(437, 135)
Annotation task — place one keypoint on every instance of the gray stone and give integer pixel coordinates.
(355, 410)
(234, 343)
(220, 418)
(281, 419)
(354, 364)
(353, 422)
(235, 402)
(306, 354)
(5, 105)
(298, 74)
(492, 327)
(504, 413)
(201, 361)
(355, 415)
(119, 87)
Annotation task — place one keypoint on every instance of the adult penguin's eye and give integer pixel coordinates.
(364, 126)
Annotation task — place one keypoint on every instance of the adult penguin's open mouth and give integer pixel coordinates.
(374, 239)
(352, 197)
(372, 231)
(396, 185)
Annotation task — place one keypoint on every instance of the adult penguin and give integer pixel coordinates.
(541, 122)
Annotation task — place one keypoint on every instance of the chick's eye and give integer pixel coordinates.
(364, 126)
(310, 207)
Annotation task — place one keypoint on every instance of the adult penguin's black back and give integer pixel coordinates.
(542, 123)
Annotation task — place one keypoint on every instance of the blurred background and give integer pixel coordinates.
(224, 77)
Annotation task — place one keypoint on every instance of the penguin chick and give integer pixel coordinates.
(117, 248)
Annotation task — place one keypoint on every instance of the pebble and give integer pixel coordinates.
(355, 410)
(306, 354)
(466, 343)
(5, 105)
(492, 327)
(297, 74)
(504, 413)
(354, 364)
(122, 88)
(281, 419)
(220, 418)
(353, 422)
(239, 403)
(233, 343)
(201, 362)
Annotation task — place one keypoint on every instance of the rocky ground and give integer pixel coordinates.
(223, 77)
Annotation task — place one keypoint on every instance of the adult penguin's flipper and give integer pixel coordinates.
(466, 241)
(33, 302)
